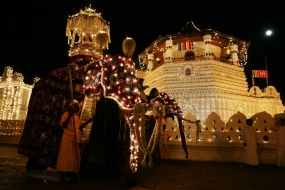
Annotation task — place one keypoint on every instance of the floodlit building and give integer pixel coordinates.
(203, 70)
(14, 100)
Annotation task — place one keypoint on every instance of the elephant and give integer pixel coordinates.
(106, 88)
(95, 80)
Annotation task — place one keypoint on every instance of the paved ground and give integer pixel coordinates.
(164, 175)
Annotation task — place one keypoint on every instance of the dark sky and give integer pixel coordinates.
(33, 40)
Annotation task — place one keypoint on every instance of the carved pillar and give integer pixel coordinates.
(207, 40)
(168, 53)
(150, 58)
(234, 53)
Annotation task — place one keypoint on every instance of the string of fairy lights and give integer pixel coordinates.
(213, 86)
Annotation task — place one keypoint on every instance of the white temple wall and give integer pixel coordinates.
(220, 141)
(1, 100)
(217, 94)
(212, 86)
(226, 105)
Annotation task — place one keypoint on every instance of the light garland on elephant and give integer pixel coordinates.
(134, 144)
(159, 113)
(139, 119)
(120, 79)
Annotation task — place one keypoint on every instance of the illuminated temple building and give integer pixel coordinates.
(203, 70)
(14, 101)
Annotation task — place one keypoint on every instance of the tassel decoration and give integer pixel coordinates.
(102, 39)
(129, 46)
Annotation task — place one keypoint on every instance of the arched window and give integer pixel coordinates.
(188, 71)
(189, 55)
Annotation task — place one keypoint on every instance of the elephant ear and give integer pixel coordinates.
(92, 79)
(170, 103)
(119, 80)
(129, 46)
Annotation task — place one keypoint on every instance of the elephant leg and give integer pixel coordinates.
(33, 165)
(111, 131)
(84, 158)
(143, 163)
(131, 177)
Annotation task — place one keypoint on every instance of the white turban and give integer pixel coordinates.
(74, 102)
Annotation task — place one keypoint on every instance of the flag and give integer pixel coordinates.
(187, 45)
(183, 45)
(260, 73)
(191, 45)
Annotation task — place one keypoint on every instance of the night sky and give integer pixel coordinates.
(33, 40)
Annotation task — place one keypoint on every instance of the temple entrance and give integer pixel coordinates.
(189, 55)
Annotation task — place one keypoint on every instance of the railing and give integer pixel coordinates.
(223, 60)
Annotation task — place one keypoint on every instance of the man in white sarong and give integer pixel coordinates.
(280, 142)
(250, 144)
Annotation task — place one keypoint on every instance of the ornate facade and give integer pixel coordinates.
(203, 70)
(14, 100)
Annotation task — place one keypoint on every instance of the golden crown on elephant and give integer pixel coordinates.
(88, 33)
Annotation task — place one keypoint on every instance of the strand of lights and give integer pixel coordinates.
(210, 89)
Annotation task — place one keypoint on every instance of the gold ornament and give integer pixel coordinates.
(129, 46)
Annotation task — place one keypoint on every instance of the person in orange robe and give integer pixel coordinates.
(69, 154)
(164, 137)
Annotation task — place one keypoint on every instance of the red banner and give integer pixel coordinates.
(185, 45)
(260, 73)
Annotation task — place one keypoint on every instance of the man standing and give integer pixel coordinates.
(250, 143)
(280, 142)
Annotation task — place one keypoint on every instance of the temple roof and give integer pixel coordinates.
(190, 32)
(189, 27)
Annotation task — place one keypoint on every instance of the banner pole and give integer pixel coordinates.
(266, 71)
(77, 159)
(252, 78)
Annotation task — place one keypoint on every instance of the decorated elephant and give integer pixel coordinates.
(106, 88)
(109, 78)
